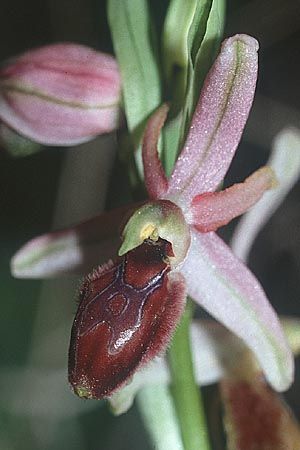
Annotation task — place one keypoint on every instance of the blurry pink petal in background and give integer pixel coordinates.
(285, 161)
(255, 416)
(61, 94)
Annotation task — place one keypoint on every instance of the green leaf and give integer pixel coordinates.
(175, 46)
(134, 43)
(183, 33)
(208, 49)
(171, 136)
(17, 145)
(191, 38)
(203, 43)
(198, 28)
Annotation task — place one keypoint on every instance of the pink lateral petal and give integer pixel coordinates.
(218, 121)
(155, 179)
(212, 210)
(72, 250)
(225, 287)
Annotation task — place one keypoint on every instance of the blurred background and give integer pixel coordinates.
(57, 187)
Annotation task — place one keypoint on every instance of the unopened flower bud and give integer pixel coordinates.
(61, 94)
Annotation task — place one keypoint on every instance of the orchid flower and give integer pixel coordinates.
(220, 349)
(170, 248)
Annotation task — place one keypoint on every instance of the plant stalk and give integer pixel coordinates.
(186, 394)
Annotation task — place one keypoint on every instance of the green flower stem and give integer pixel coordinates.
(186, 394)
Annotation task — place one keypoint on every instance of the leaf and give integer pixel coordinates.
(133, 40)
(208, 48)
(17, 145)
(191, 37)
(179, 18)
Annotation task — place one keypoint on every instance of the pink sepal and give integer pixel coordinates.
(218, 121)
(72, 250)
(225, 287)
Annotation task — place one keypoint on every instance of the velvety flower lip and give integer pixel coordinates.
(61, 94)
(127, 312)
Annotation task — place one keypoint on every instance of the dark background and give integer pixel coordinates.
(36, 317)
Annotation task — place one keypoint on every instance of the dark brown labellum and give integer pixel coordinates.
(126, 313)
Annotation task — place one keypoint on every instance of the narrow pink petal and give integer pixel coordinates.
(218, 121)
(73, 250)
(222, 285)
(215, 209)
(155, 179)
